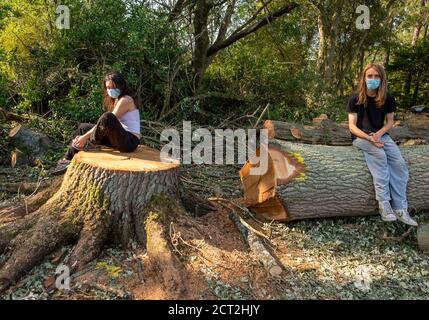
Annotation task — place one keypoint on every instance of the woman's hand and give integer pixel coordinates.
(80, 141)
(375, 140)
(377, 136)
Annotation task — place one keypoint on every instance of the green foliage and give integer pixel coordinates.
(3, 90)
(410, 61)
(62, 70)
(59, 72)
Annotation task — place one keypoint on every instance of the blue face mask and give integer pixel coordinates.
(372, 84)
(114, 93)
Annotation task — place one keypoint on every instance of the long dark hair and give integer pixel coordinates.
(120, 83)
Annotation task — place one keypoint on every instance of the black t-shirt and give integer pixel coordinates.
(371, 118)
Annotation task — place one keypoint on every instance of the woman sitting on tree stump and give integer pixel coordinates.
(368, 108)
(119, 127)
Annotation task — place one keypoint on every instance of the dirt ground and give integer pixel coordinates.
(350, 258)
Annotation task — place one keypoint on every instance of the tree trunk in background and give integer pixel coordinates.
(416, 35)
(328, 22)
(361, 63)
(322, 45)
(204, 52)
(416, 90)
(202, 41)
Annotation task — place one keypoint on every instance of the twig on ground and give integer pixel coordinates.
(400, 238)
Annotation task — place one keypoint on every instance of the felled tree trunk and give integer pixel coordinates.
(328, 132)
(104, 195)
(314, 181)
(30, 142)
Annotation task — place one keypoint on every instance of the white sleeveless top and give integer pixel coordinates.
(131, 122)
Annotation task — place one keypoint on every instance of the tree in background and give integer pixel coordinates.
(197, 58)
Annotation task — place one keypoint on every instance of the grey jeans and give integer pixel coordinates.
(388, 169)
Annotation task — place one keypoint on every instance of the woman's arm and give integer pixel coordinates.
(123, 106)
(80, 141)
(389, 124)
(354, 129)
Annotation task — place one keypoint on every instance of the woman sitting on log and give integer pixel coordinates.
(119, 127)
(368, 108)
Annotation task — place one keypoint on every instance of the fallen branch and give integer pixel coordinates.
(246, 211)
(101, 287)
(11, 212)
(400, 238)
(24, 187)
(256, 245)
(9, 116)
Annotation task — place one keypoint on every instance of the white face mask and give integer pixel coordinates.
(114, 93)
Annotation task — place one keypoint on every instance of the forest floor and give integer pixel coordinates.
(342, 258)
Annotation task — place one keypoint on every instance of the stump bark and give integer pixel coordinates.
(314, 181)
(104, 196)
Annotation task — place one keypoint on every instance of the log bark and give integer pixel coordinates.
(328, 132)
(32, 143)
(103, 196)
(423, 237)
(315, 181)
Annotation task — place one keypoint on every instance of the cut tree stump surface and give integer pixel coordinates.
(143, 159)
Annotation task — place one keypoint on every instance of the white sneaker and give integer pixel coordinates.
(404, 217)
(386, 211)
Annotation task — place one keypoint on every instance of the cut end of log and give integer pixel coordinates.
(143, 159)
(14, 131)
(320, 118)
(260, 191)
(19, 158)
(269, 125)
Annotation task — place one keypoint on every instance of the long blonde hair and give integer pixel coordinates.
(381, 96)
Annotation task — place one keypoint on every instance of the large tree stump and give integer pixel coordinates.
(103, 196)
(313, 181)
